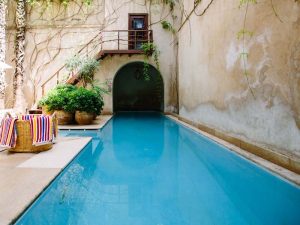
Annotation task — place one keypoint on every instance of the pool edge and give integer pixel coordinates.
(276, 169)
(15, 219)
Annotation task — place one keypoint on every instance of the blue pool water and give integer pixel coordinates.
(145, 169)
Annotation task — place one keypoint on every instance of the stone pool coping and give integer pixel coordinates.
(23, 176)
(274, 168)
(96, 125)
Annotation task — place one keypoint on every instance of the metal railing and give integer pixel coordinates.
(105, 41)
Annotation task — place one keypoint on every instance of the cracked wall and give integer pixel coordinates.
(212, 87)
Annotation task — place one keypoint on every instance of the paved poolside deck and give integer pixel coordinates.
(23, 176)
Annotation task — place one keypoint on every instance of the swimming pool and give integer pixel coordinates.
(145, 169)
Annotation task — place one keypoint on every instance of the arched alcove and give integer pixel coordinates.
(134, 91)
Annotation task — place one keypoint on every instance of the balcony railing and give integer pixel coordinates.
(105, 43)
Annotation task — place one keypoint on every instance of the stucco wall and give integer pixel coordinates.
(212, 87)
(59, 33)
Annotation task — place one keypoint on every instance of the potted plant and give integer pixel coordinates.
(87, 103)
(99, 92)
(87, 70)
(73, 64)
(45, 109)
(58, 100)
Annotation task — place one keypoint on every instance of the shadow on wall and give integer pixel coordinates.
(132, 91)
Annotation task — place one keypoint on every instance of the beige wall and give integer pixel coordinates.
(213, 89)
(59, 33)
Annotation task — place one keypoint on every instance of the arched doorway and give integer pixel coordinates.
(133, 91)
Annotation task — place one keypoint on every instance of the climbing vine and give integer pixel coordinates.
(50, 2)
(42, 45)
(3, 5)
(168, 26)
(171, 4)
(243, 34)
(19, 99)
(150, 49)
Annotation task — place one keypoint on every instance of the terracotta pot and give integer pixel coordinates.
(45, 111)
(63, 117)
(95, 116)
(84, 118)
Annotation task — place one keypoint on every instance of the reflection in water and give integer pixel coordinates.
(145, 146)
(144, 169)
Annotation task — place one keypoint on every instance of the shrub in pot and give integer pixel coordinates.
(87, 103)
(59, 100)
(99, 92)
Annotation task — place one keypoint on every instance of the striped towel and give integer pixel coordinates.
(42, 129)
(8, 133)
(26, 117)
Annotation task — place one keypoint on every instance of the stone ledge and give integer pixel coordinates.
(96, 125)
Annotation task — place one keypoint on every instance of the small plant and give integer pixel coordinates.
(148, 48)
(73, 64)
(59, 98)
(85, 67)
(87, 70)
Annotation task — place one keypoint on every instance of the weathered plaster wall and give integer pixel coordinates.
(212, 87)
(59, 33)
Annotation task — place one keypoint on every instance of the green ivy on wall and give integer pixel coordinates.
(150, 49)
(168, 26)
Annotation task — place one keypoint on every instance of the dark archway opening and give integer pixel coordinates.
(133, 92)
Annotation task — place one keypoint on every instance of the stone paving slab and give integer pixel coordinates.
(59, 156)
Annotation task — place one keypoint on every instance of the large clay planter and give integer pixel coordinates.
(84, 118)
(63, 117)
